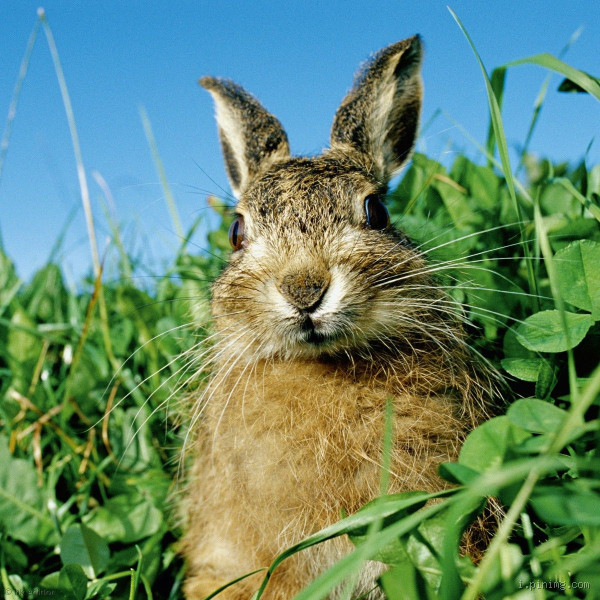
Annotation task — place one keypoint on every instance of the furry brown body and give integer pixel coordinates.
(298, 443)
(323, 313)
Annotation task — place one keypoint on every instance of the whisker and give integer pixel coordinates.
(460, 286)
(112, 379)
(420, 246)
(182, 369)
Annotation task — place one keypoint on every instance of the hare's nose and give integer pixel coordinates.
(304, 289)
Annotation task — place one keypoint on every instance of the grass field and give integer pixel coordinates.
(91, 378)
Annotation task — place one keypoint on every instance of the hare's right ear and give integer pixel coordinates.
(379, 117)
(251, 137)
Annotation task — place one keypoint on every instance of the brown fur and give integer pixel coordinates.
(319, 320)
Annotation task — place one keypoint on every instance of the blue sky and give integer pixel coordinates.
(298, 57)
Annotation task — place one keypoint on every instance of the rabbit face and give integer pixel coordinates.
(317, 268)
(308, 277)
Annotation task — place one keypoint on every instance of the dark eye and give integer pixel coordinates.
(236, 233)
(376, 213)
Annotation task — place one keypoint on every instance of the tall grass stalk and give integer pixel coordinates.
(539, 101)
(500, 136)
(12, 110)
(83, 186)
(542, 236)
(114, 227)
(161, 173)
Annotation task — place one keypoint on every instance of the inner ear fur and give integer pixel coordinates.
(379, 117)
(251, 137)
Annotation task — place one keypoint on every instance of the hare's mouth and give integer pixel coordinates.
(319, 328)
(317, 338)
(314, 332)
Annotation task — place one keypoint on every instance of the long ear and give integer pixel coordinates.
(379, 117)
(251, 137)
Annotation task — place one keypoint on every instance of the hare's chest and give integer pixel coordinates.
(314, 446)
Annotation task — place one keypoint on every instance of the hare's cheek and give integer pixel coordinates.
(381, 318)
(388, 314)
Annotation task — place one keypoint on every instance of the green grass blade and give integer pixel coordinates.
(12, 109)
(497, 81)
(539, 101)
(584, 80)
(542, 236)
(232, 582)
(83, 186)
(545, 463)
(363, 518)
(503, 151)
(135, 575)
(147, 587)
(496, 119)
(343, 569)
(586, 202)
(388, 441)
(161, 172)
(188, 236)
(492, 555)
(8, 588)
(112, 223)
(578, 409)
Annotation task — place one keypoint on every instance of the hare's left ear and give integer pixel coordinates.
(251, 137)
(379, 118)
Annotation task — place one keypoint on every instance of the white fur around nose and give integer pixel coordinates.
(332, 300)
(282, 307)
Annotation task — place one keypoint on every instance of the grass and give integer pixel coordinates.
(90, 379)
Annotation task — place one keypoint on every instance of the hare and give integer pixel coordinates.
(323, 312)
